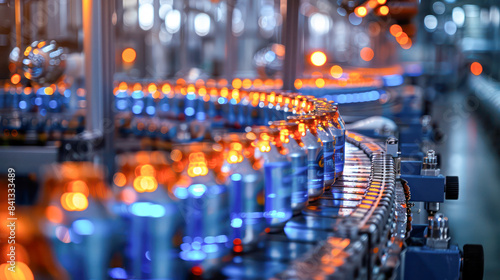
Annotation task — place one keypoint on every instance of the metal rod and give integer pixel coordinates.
(230, 50)
(19, 24)
(291, 42)
(99, 70)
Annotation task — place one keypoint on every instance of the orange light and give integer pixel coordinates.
(222, 82)
(381, 2)
(123, 86)
(54, 214)
(166, 88)
(279, 49)
(119, 179)
(137, 87)
(247, 83)
(407, 45)
(402, 39)
(320, 82)
(79, 201)
(27, 51)
(336, 71)
(74, 201)
(21, 272)
(318, 58)
(298, 84)
(78, 186)
(15, 79)
(366, 54)
(395, 30)
(129, 55)
(257, 83)
(361, 11)
(384, 10)
(152, 88)
(236, 83)
(237, 241)
(48, 91)
(476, 68)
(372, 4)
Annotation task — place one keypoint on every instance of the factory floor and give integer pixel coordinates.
(468, 151)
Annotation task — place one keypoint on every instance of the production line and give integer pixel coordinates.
(191, 144)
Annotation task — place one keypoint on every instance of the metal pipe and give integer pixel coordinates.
(19, 24)
(99, 70)
(291, 42)
(230, 42)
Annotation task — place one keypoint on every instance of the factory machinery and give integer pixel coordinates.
(200, 177)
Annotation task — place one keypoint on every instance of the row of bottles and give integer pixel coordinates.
(181, 212)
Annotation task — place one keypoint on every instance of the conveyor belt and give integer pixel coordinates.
(334, 236)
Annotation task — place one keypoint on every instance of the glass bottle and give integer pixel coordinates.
(77, 221)
(203, 204)
(314, 146)
(142, 190)
(291, 139)
(277, 179)
(326, 134)
(246, 192)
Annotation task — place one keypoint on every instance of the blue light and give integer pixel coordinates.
(212, 248)
(193, 255)
(121, 104)
(181, 193)
(187, 239)
(236, 177)
(43, 112)
(221, 239)
(201, 116)
(393, 80)
(150, 110)
(197, 190)
(165, 107)
(185, 247)
(147, 209)
(157, 211)
(209, 239)
(196, 245)
(136, 109)
(67, 93)
(221, 100)
(23, 104)
(348, 98)
(237, 259)
(148, 255)
(234, 102)
(137, 94)
(121, 93)
(271, 195)
(190, 96)
(118, 273)
(52, 104)
(189, 111)
(83, 227)
(236, 223)
(270, 56)
(38, 101)
(342, 98)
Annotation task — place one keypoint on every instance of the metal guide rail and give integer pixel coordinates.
(353, 222)
(371, 215)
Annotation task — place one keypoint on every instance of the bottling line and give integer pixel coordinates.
(225, 139)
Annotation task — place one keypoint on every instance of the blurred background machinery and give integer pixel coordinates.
(206, 139)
